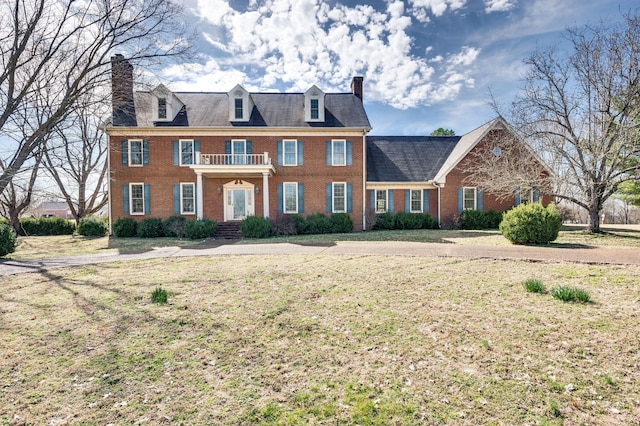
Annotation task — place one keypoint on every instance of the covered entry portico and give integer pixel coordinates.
(238, 194)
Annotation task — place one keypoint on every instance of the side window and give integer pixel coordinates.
(416, 201)
(136, 198)
(135, 153)
(469, 199)
(187, 198)
(290, 197)
(290, 152)
(186, 152)
(381, 200)
(338, 153)
(339, 197)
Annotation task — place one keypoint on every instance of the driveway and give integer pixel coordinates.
(614, 256)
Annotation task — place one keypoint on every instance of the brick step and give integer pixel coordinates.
(228, 231)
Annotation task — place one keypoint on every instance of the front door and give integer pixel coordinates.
(239, 202)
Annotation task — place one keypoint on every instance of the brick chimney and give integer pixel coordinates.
(124, 111)
(356, 86)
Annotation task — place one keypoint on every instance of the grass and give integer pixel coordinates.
(43, 247)
(571, 294)
(534, 285)
(319, 339)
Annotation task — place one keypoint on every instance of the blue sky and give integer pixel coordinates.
(426, 63)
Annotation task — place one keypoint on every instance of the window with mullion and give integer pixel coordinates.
(290, 197)
(239, 151)
(338, 153)
(186, 152)
(238, 108)
(469, 199)
(315, 109)
(135, 153)
(416, 201)
(290, 148)
(187, 198)
(136, 198)
(381, 200)
(339, 197)
(162, 108)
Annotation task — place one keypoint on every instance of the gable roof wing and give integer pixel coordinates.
(407, 158)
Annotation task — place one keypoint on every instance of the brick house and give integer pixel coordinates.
(229, 155)
(426, 173)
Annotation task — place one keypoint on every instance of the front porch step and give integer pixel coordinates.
(228, 231)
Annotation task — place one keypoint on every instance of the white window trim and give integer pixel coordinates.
(141, 153)
(166, 109)
(334, 142)
(233, 141)
(131, 185)
(333, 197)
(311, 109)
(284, 152)
(193, 151)
(420, 192)
(182, 186)
(235, 108)
(475, 198)
(284, 197)
(386, 200)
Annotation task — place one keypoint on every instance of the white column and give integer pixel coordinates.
(265, 195)
(199, 192)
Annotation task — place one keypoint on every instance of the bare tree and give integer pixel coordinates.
(18, 195)
(578, 109)
(77, 160)
(504, 164)
(55, 51)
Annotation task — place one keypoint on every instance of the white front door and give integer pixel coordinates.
(238, 202)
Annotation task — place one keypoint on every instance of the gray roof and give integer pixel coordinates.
(270, 110)
(407, 158)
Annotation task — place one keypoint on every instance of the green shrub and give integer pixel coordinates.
(174, 226)
(385, 220)
(571, 294)
(341, 223)
(255, 227)
(125, 227)
(531, 223)
(196, 229)
(406, 220)
(150, 227)
(477, 219)
(534, 285)
(92, 226)
(301, 224)
(285, 225)
(7, 240)
(159, 296)
(429, 222)
(318, 223)
(46, 226)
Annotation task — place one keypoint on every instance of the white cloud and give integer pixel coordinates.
(293, 44)
(437, 7)
(499, 5)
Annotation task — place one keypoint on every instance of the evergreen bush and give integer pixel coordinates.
(385, 220)
(92, 226)
(429, 222)
(196, 229)
(318, 223)
(46, 226)
(477, 219)
(406, 220)
(531, 223)
(255, 227)
(174, 226)
(150, 227)
(7, 240)
(341, 223)
(125, 227)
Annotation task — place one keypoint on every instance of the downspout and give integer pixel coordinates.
(437, 185)
(109, 185)
(364, 180)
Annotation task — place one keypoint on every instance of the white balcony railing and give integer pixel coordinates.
(233, 159)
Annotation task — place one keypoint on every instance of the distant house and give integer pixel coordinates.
(53, 209)
(229, 155)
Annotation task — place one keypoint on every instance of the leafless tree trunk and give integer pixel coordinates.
(56, 51)
(579, 110)
(18, 195)
(77, 161)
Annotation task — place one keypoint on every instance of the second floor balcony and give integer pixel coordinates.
(233, 164)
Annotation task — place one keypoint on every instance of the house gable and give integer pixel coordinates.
(165, 105)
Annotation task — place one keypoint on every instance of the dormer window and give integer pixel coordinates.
(314, 105)
(162, 108)
(240, 104)
(238, 109)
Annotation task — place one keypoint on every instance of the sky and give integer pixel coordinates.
(426, 63)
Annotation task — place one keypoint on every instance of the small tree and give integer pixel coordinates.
(443, 132)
